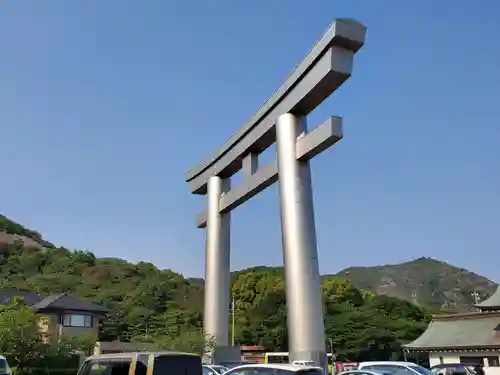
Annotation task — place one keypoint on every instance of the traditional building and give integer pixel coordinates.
(472, 337)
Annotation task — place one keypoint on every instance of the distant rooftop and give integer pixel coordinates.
(29, 297)
(460, 331)
(65, 301)
(62, 301)
(492, 303)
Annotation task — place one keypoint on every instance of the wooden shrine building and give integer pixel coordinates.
(472, 337)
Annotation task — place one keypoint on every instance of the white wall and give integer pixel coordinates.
(447, 358)
(454, 357)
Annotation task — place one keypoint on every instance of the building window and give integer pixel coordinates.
(77, 320)
(493, 361)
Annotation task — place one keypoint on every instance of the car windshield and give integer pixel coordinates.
(453, 368)
(421, 370)
(3, 366)
(401, 369)
(220, 369)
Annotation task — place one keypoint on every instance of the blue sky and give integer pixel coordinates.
(104, 105)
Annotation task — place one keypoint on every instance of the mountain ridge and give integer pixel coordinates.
(424, 280)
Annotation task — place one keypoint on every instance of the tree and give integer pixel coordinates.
(337, 290)
(189, 341)
(20, 338)
(29, 350)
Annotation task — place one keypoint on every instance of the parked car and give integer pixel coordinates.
(275, 369)
(455, 368)
(395, 367)
(142, 363)
(304, 363)
(345, 366)
(4, 366)
(231, 365)
(366, 372)
(214, 369)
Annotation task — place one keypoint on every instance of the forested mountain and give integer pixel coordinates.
(425, 281)
(151, 304)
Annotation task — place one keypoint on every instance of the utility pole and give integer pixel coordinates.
(233, 308)
(476, 297)
(330, 341)
(414, 297)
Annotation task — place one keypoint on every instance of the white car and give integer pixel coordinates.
(214, 369)
(365, 372)
(275, 369)
(304, 363)
(397, 368)
(4, 366)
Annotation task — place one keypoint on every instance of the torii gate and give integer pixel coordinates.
(282, 119)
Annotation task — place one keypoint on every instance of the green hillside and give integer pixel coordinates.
(149, 304)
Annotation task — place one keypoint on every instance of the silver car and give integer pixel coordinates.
(4, 366)
(275, 369)
(214, 369)
(366, 372)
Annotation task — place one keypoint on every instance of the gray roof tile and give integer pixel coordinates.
(463, 331)
(61, 301)
(29, 297)
(492, 302)
(66, 302)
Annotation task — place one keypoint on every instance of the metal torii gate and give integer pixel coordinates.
(282, 119)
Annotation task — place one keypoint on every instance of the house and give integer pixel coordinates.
(472, 337)
(61, 315)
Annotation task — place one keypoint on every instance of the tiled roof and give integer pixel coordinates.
(61, 301)
(474, 330)
(492, 302)
(8, 294)
(66, 302)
